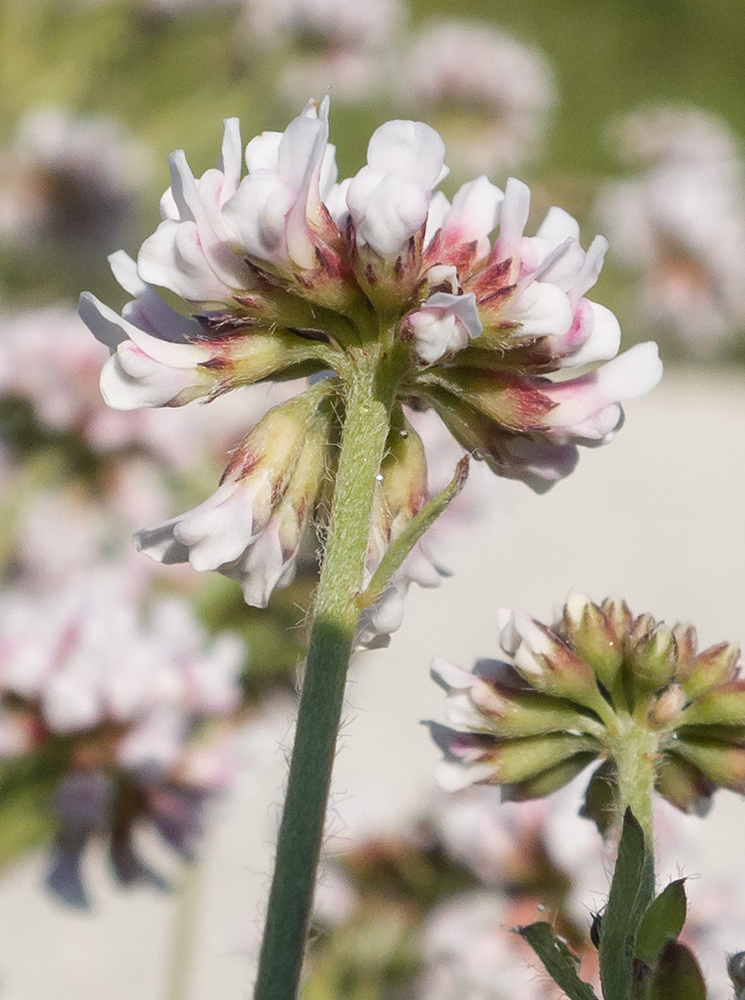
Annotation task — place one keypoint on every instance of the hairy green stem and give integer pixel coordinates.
(369, 397)
(635, 754)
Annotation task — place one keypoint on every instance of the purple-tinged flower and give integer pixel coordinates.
(568, 696)
(294, 272)
(128, 711)
(490, 94)
(69, 179)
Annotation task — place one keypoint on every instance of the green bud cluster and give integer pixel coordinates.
(599, 684)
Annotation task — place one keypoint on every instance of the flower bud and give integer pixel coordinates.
(716, 665)
(684, 785)
(667, 706)
(619, 617)
(653, 660)
(523, 759)
(592, 637)
(722, 763)
(548, 664)
(548, 781)
(723, 706)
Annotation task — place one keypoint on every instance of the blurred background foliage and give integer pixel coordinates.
(171, 72)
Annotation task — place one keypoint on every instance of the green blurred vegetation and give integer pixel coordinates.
(173, 78)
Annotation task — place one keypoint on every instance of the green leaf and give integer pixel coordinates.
(631, 892)
(560, 962)
(677, 976)
(663, 920)
(399, 549)
(600, 797)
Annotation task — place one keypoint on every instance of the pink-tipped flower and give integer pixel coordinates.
(576, 690)
(250, 529)
(295, 273)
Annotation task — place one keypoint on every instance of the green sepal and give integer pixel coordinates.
(677, 975)
(398, 550)
(600, 798)
(663, 920)
(722, 763)
(631, 893)
(559, 961)
(684, 785)
(523, 760)
(548, 781)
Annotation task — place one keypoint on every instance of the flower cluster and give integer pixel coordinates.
(679, 221)
(289, 273)
(121, 712)
(579, 691)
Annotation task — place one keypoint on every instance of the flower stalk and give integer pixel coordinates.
(635, 753)
(370, 391)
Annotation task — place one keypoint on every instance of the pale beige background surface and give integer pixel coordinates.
(657, 517)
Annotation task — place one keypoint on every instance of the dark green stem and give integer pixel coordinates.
(369, 397)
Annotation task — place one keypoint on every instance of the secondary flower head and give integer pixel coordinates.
(577, 691)
(286, 272)
(125, 719)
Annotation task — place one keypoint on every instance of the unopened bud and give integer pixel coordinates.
(653, 660)
(684, 785)
(722, 763)
(667, 706)
(619, 617)
(523, 759)
(722, 706)
(548, 781)
(715, 666)
(593, 638)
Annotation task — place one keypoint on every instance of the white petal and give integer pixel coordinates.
(626, 377)
(590, 270)
(558, 226)
(173, 258)
(130, 380)
(450, 676)
(541, 309)
(463, 307)
(104, 324)
(230, 157)
(262, 152)
(412, 151)
(453, 777)
(605, 339)
(514, 215)
(219, 533)
(475, 211)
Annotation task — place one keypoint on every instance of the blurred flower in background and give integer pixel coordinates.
(489, 94)
(70, 178)
(679, 223)
(326, 46)
(117, 713)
